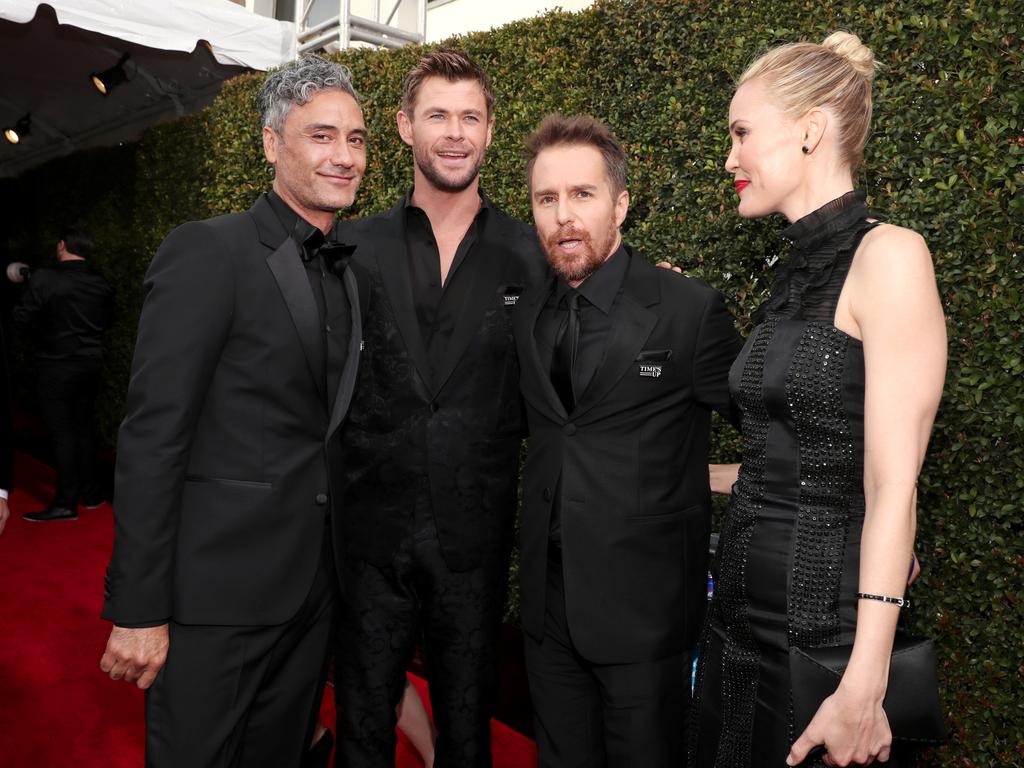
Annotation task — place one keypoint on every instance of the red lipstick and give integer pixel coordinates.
(740, 185)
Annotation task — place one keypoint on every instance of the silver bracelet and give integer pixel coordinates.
(902, 602)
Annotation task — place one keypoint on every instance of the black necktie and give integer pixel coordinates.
(563, 361)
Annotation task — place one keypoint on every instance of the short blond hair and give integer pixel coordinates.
(837, 75)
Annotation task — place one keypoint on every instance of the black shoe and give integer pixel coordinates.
(51, 513)
(94, 503)
(319, 755)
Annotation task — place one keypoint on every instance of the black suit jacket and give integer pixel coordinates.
(454, 434)
(222, 480)
(630, 463)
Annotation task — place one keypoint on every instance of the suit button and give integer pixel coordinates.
(321, 499)
(434, 407)
(546, 494)
(569, 429)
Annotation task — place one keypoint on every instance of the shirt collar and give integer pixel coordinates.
(306, 236)
(601, 288)
(485, 204)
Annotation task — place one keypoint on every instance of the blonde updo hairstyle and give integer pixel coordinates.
(836, 75)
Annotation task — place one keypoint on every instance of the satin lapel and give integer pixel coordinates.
(392, 263)
(632, 326)
(286, 266)
(483, 294)
(355, 342)
(535, 381)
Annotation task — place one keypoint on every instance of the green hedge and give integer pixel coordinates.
(946, 159)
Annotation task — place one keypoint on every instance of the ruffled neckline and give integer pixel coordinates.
(835, 216)
(817, 241)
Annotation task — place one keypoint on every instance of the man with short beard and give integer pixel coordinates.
(622, 364)
(432, 441)
(221, 582)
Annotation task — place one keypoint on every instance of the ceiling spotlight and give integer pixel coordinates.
(109, 79)
(21, 129)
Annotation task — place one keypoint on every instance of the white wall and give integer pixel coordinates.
(444, 18)
(458, 17)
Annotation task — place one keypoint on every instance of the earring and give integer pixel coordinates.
(805, 150)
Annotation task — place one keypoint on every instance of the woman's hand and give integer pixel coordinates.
(851, 726)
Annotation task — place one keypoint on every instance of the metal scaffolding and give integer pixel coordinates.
(346, 28)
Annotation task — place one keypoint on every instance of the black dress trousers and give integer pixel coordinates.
(590, 715)
(243, 697)
(67, 393)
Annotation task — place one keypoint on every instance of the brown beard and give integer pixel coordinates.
(439, 181)
(586, 260)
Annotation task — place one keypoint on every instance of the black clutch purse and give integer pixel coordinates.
(911, 698)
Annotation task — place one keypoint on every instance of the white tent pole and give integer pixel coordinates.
(345, 27)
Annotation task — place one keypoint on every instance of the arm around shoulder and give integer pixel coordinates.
(717, 345)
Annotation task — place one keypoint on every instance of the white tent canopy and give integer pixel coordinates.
(179, 53)
(235, 36)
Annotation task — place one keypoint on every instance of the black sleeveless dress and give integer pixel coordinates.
(787, 563)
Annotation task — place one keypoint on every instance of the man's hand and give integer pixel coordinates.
(5, 512)
(915, 567)
(666, 265)
(723, 476)
(135, 655)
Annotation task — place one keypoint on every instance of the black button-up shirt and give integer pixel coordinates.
(329, 294)
(438, 306)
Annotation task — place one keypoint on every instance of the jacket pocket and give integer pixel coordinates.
(228, 481)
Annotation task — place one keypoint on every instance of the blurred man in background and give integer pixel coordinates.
(66, 308)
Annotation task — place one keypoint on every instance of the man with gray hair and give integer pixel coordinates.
(222, 580)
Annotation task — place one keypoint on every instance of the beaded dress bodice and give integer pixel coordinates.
(786, 566)
(799, 382)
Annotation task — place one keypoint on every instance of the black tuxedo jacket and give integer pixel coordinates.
(630, 465)
(452, 434)
(222, 481)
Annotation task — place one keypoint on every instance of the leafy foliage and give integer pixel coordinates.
(945, 159)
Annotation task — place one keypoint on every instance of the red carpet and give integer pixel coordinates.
(56, 708)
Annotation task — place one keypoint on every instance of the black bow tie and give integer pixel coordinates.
(334, 253)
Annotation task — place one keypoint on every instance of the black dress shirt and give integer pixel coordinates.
(328, 291)
(438, 306)
(599, 295)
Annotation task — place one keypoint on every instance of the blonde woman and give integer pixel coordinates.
(838, 386)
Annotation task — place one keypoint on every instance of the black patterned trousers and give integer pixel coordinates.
(383, 612)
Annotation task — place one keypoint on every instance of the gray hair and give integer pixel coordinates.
(296, 83)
